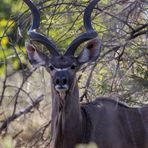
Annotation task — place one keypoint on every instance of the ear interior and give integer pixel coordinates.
(30, 48)
(36, 58)
(91, 51)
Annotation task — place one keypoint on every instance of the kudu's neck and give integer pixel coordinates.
(66, 118)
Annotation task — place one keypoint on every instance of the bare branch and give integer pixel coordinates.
(22, 112)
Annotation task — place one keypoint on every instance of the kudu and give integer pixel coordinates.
(108, 123)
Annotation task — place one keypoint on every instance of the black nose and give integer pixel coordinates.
(61, 81)
(64, 81)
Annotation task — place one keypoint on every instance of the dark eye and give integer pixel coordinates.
(51, 67)
(73, 67)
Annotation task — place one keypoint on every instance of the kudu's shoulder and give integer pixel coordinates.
(107, 106)
(106, 102)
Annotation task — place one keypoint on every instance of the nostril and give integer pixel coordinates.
(64, 81)
(57, 81)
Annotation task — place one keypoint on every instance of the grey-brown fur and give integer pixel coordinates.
(107, 122)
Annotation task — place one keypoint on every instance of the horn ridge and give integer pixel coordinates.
(90, 32)
(87, 15)
(33, 34)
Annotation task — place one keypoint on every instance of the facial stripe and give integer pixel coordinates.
(61, 69)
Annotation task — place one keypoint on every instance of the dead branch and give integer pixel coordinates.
(7, 121)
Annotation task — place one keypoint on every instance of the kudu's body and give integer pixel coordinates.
(106, 122)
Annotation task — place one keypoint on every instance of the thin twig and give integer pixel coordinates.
(22, 112)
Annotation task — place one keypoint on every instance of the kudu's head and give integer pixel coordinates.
(63, 68)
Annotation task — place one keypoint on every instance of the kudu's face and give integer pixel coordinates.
(63, 68)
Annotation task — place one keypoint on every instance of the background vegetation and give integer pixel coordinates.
(121, 72)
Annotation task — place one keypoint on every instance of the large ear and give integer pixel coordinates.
(36, 58)
(91, 51)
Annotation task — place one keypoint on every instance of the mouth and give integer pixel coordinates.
(61, 90)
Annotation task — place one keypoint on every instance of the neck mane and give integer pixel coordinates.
(66, 125)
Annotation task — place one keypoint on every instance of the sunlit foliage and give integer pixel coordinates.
(121, 72)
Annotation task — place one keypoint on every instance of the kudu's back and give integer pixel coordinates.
(111, 124)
